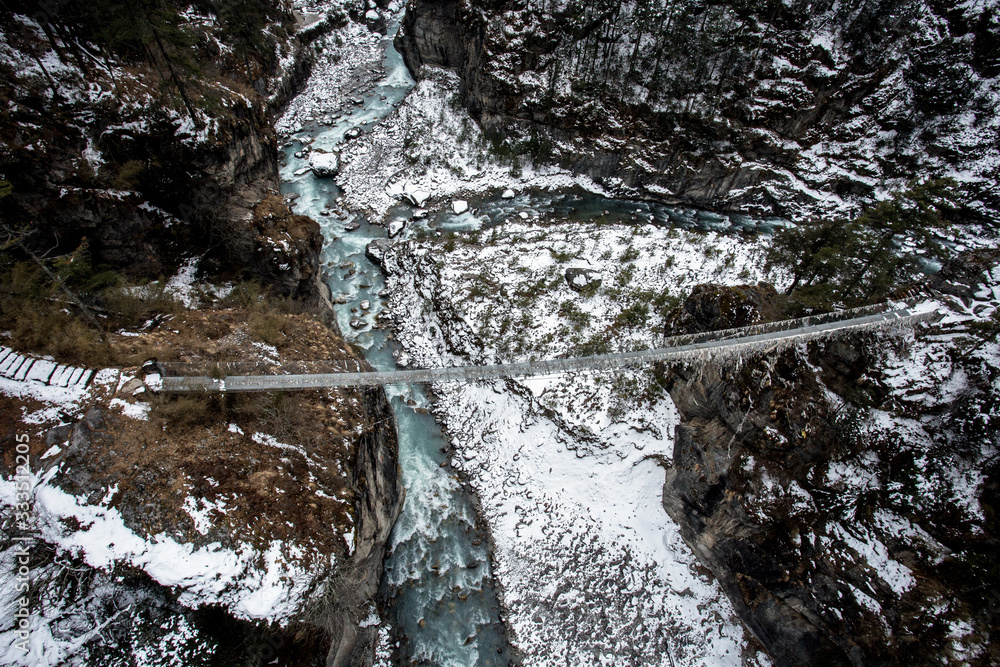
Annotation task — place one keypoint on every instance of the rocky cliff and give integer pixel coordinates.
(137, 140)
(155, 152)
(842, 492)
(788, 108)
(260, 520)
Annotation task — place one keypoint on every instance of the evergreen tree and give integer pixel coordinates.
(850, 262)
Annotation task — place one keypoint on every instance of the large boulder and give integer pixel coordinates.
(325, 164)
(581, 279)
(715, 307)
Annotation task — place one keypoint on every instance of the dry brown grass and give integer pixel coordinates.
(271, 492)
(186, 447)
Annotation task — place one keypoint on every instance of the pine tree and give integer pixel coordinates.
(845, 263)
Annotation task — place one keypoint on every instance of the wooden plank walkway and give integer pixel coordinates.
(723, 342)
(26, 368)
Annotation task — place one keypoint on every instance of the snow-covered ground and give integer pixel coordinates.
(508, 294)
(567, 468)
(432, 144)
(85, 536)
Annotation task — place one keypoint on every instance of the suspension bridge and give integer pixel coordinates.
(698, 347)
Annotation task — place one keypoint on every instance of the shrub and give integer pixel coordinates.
(130, 175)
(188, 410)
(634, 316)
(131, 305)
(629, 255)
(267, 326)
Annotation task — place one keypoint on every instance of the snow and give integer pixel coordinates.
(271, 590)
(566, 468)
(182, 285)
(131, 410)
(431, 146)
(568, 510)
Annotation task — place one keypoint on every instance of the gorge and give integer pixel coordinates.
(279, 183)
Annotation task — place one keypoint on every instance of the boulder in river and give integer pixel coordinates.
(459, 206)
(415, 195)
(375, 251)
(324, 164)
(507, 194)
(395, 227)
(358, 323)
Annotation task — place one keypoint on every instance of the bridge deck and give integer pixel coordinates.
(725, 343)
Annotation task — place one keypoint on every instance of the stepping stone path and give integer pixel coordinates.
(14, 366)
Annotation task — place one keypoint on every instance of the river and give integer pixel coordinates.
(443, 605)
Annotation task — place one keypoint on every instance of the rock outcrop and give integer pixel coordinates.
(287, 503)
(110, 159)
(789, 108)
(802, 480)
(380, 501)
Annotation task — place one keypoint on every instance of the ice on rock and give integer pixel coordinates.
(324, 164)
(459, 206)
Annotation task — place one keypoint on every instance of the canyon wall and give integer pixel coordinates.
(790, 108)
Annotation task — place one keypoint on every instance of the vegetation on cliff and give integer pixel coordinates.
(845, 263)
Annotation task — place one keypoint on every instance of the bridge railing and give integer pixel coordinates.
(221, 369)
(783, 325)
(689, 352)
(224, 369)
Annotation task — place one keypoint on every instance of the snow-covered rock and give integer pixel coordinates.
(324, 164)
(577, 279)
(415, 195)
(459, 206)
(395, 227)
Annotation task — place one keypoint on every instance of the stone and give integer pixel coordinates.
(507, 194)
(578, 279)
(324, 164)
(358, 323)
(459, 206)
(375, 250)
(130, 387)
(415, 195)
(395, 227)
(57, 435)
